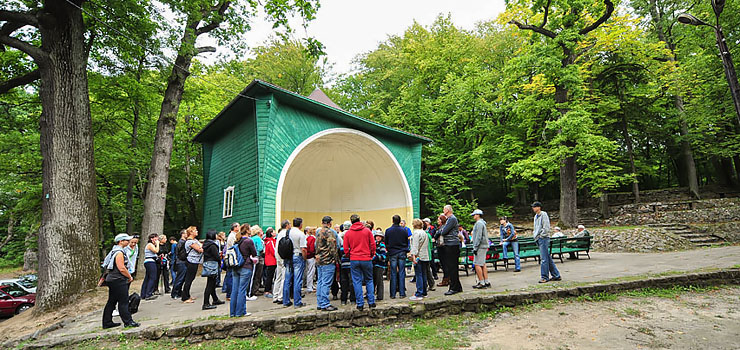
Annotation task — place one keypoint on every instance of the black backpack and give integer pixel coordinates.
(285, 247)
(182, 254)
(133, 303)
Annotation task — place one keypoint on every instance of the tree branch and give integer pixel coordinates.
(203, 49)
(543, 31)
(547, 11)
(24, 79)
(609, 9)
(35, 52)
(221, 9)
(25, 18)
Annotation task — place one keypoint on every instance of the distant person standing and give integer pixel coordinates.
(259, 245)
(277, 288)
(150, 266)
(230, 239)
(397, 244)
(450, 250)
(171, 259)
(310, 259)
(380, 264)
(480, 247)
(420, 258)
(327, 256)
(270, 261)
(118, 280)
(195, 256)
(294, 269)
(541, 235)
(242, 275)
(360, 245)
(180, 265)
(164, 269)
(211, 261)
(509, 239)
(441, 221)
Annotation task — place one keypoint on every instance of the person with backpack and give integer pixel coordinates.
(380, 263)
(230, 239)
(270, 261)
(310, 259)
(193, 257)
(292, 249)
(420, 259)
(118, 279)
(211, 270)
(277, 288)
(397, 242)
(242, 268)
(345, 274)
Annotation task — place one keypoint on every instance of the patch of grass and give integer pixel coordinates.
(669, 293)
(598, 297)
(647, 331)
(736, 266)
(632, 312)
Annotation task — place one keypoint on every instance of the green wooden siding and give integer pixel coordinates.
(288, 126)
(231, 161)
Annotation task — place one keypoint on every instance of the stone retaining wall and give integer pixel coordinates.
(637, 240)
(650, 207)
(729, 231)
(705, 215)
(239, 328)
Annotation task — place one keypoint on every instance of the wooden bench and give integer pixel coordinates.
(576, 245)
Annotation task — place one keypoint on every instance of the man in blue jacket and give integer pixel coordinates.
(397, 244)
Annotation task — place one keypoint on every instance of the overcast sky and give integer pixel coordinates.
(350, 27)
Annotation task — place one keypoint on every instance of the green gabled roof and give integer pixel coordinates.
(221, 121)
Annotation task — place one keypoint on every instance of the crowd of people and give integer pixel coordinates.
(336, 261)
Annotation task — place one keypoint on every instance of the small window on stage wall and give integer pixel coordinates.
(228, 201)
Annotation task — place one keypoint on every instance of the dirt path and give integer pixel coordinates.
(708, 320)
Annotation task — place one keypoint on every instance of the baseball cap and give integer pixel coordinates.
(537, 204)
(122, 237)
(477, 212)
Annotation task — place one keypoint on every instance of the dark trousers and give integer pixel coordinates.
(210, 290)
(117, 295)
(378, 282)
(164, 272)
(335, 281)
(345, 280)
(450, 255)
(269, 276)
(192, 269)
(150, 279)
(180, 272)
(430, 275)
(256, 279)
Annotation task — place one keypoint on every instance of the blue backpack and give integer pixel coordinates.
(233, 257)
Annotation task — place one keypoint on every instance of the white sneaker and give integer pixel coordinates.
(252, 298)
(115, 312)
(248, 314)
(415, 298)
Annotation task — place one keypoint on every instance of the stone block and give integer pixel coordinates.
(152, 333)
(179, 331)
(284, 326)
(241, 332)
(203, 327)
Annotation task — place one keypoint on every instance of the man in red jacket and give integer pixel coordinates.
(359, 244)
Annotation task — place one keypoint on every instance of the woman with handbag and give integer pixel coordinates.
(117, 278)
(211, 262)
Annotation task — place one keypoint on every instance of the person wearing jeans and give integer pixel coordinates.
(397, 244)
(359, 244)
(548, 271)
(420, 258)
(230, 240)
(240, 277)
(327, 256)
(508, 238)
(294, 271)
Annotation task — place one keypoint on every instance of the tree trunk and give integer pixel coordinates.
(11, 231)
(188, 183)
(736, 161)
(630, 151)
(568, 166)
(604, 206)
(159, 169)
(68, 259)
